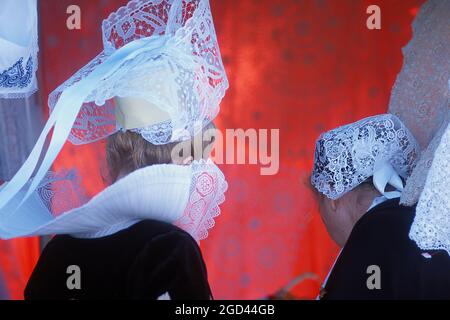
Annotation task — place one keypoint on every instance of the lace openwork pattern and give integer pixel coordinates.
(61, 192)
(185, 77)
(347, 156)
(206, 195)
(421, 94)
(416, 182)
(431, 226)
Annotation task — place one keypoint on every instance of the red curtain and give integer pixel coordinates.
(17, 260)
(299, 66)
(303, 67)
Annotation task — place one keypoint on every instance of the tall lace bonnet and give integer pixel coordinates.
(421, 98)
(380, 147)
(160, 75)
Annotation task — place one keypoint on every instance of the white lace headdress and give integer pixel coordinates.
(380, 147)
(18, 48)
(160, 75)
(162, 51)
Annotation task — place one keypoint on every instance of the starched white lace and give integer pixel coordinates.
(431, 226)
(189, 65)
(62, 191)
(347, 156)
(206, 195)
(416, 182)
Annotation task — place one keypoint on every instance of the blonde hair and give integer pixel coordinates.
(128, 151)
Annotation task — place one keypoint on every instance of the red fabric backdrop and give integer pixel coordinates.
(299, 66)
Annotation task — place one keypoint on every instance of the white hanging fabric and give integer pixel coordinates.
(18, 48)
(420, 96)
(421, 99)
(431, 226)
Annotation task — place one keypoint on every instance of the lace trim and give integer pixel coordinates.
(207, 194)
(61, 192)
(130, 22)
(416, 182)
(17, 76)
(431, 226)
(25, 95)
(158, 134)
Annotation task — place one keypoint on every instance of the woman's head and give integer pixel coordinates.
(346, 159)
(341, 215)
(128, 151)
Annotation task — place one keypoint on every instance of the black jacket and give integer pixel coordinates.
(381, 238)
(142, 262)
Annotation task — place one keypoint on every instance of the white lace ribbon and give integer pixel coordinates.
(385, 174)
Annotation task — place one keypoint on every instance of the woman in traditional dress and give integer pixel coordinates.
(359, 175)
(153, 93)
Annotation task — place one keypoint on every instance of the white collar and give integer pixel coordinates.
(377, 201)
(187, 196)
